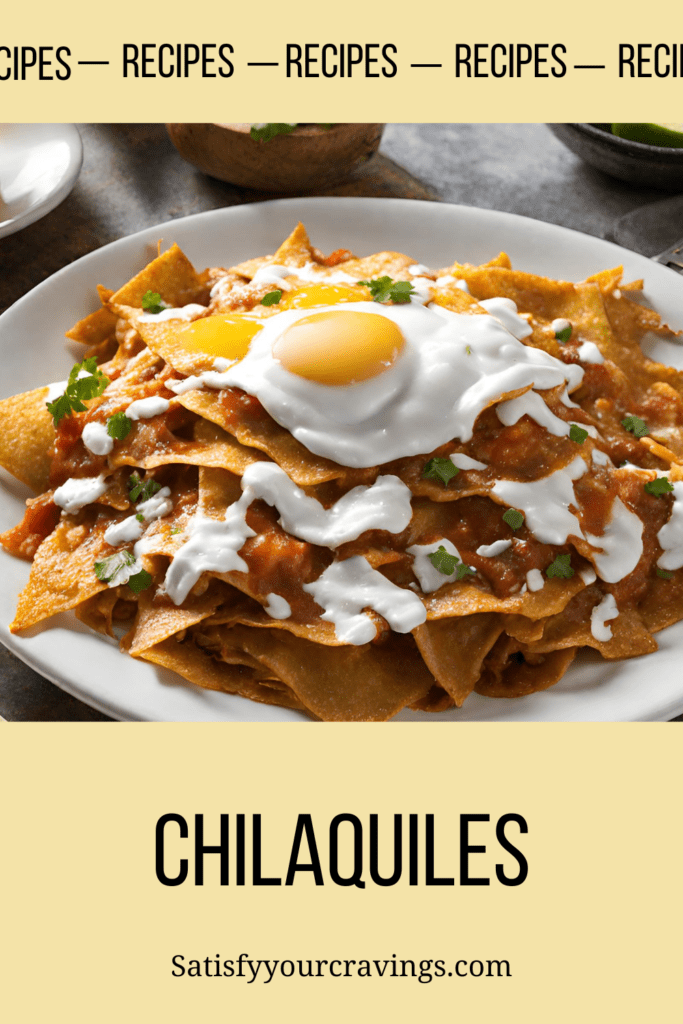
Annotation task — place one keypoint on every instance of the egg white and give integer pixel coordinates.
(451, 368)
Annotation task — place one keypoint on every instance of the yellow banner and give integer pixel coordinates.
(400, 823)
(500, 62)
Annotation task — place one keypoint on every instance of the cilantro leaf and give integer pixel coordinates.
(140, 518)
(635, 426)
(462, 570)
(108, 568)
(449, 564)
(442, 561)
(119, 426)
(383, 288)
(151, 302)
(272, 298)
(564, 334)
(440, 469)
(140, 581)
(658, 487)
(561, 568)
(142, 489)
(577, 433)
(266, 132)
(514, 518)
(60, 408)
(78, 390)
(663, 574)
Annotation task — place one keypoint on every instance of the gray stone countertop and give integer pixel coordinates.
(132, 178)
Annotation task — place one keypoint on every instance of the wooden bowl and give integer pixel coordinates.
(311, 157)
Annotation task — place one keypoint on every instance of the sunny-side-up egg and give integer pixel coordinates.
(363, 383)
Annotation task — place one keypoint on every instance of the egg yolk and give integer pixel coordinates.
(339, 347)
(323, 295)
(227, 336)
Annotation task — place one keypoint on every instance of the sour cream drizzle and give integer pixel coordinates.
(462, 461)
(546, 502)
(277, 607)
(131, 528)
(621, 544)
(505, 310)
(79, 491)
(385, 505)
(491, 550)
(145, 408)
(189, 312)
(670, 536)
(590, 353)
(96, 439)
(607, 609)
(213, 544)
(345, 588)
(534, 580)
(429, 576)
(531, 404)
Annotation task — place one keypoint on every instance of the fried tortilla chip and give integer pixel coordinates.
(170, 275)
(341, 684)
(454, 649)
(26, 438)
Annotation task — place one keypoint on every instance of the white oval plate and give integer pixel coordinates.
(39, 164)
(32, 349)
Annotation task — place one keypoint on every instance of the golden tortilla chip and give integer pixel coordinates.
(170, 275)
(454, 649)
(26, 438)
(62, 574)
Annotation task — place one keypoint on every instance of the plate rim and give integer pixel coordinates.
(52, 200)
(541, 228)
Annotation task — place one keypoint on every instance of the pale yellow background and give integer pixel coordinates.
(88, 933)
(423, 33)
(593, 934)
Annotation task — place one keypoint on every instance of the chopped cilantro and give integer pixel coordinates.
(663, 574)
(272, 298)
(176, 529)
(635, 426)
(142, 489)
(78, 390)
(440, 469)
(561, 567)
(140, 581)
(107, 569)
(514, 518)
(564, 335)
(151, 302)
(658, 487)
(140, 518)
(266, 132)
(442, 561)
(468, 350)
(462, 570)
(577, 433)
(449, 564)
(383, 289)
(119, 426)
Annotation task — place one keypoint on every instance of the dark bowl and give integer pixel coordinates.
(637, 162)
